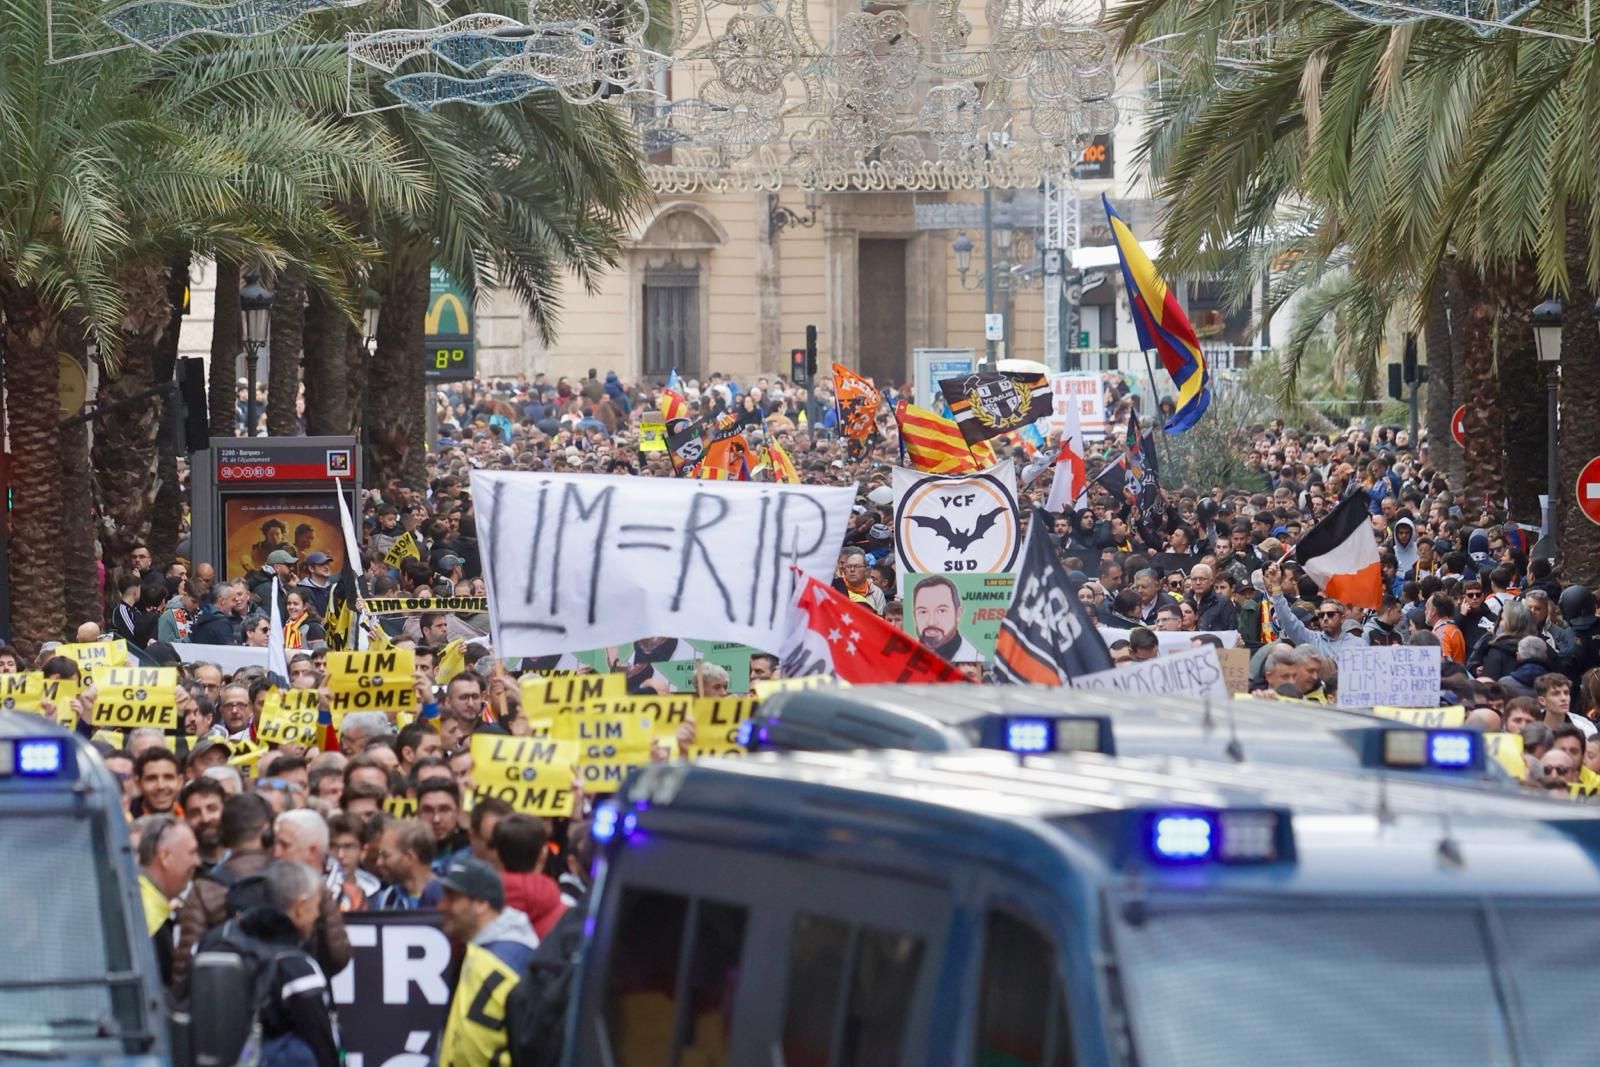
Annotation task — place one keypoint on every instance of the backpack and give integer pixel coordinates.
(536, 1007)
(259, 958)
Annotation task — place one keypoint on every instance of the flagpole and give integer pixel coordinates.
(1155, 401)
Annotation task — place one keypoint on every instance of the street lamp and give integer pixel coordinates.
(372, 304)
(1546, 322)
(255, 309)
(963, 250)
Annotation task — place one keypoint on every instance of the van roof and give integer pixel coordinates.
(1066, 785)
(1047, 817)
(15, 724)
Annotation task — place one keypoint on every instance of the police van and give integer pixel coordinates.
(981, 910)
(78, 975)
(1034, 719)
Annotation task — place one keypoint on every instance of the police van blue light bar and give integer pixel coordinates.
(33, 757)
(1197, 836)
(604, 827)
(1031, 734)
(1445, 750)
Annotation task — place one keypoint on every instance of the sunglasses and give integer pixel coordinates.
(1329, 614)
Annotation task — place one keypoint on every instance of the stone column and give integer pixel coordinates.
(843, 326)
(769, 291)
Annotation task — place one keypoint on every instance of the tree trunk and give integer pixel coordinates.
(226, 336)
(32, 337)
(1441, 399)
(287, 344)
(396, 388)
(166, 521)
(1521, 396)
(1455, 467)
(330, 344)
(80, 587)
(124, 454)
(1475, 309)
(1578, 537)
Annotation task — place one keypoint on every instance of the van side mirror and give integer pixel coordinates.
(222, 1003)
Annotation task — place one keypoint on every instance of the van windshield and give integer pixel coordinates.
(55, 951)
(1310, 984)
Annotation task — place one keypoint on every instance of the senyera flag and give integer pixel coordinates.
(674, 405)
(830, 634)
(1162, 325)
(1340, 553)
(934, 443)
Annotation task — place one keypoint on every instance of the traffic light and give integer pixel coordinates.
(193, 427)
(1396, 385)
(811, 352)
(1408, 361)
(797, 367)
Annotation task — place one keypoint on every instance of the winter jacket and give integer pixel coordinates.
(1215, 612)
(1497, 657)
(212, 627)
(294, 1004)
(535, 895)
(206, 907)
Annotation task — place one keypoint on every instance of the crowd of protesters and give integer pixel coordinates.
(273, 844)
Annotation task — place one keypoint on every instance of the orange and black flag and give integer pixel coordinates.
(727, 460)
(858, 403)
(1340, 553)
(1046, 637)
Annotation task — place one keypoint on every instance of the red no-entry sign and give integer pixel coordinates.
(1458, 426)
(1589, 489)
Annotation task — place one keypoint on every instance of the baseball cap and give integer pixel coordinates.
(449, 563)
(476, 880)
(281, 556)
(319, 558)
(207, 743)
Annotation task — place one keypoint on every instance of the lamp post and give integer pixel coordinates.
(1546, 322)
(255, 309)
(372, 304)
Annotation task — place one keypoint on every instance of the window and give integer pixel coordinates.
(713, 983)
(672, 322)
(644, 1023)
(883, 968)
(641, 986)
(1016, 996)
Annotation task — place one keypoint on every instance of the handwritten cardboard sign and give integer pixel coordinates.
(1196, 671)
(1397, 676)
(587, 560)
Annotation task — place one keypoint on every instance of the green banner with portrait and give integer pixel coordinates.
(956, 615)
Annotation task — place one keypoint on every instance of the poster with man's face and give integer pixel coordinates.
(956, 615)
(256, 525)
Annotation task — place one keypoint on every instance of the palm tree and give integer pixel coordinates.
(113, 168)
(1414, 148)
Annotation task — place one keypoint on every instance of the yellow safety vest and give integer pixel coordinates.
(475, 1031)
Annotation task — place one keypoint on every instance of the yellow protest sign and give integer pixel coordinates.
(289, 717)
(405, 547)
(669, 712)
(716, 751)
(129, 697)
(371, 681)
(532, 774)
(652, 435)
(400, 807)
(613, 737)
(89, 655)
(767, 688)
(545, 698)
(1506, 750)
(22, 692)
(411, 605)
(246, 754)
(1450, 717)
(717, 719)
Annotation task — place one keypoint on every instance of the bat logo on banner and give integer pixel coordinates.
(958, 541)
(953, 524)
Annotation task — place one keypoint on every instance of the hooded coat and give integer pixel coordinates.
(1405, 555)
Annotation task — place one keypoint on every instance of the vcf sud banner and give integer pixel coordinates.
(956, 523)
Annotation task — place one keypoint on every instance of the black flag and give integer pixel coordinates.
(1046, 638)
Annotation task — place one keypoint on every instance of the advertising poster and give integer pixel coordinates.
(956, 615)
(256, 525)
(675, 659)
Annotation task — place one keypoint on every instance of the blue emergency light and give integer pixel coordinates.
(33, 757)
(1031, 734)
(1445, 750)
(1197, 836)
(604, 827)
